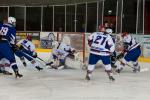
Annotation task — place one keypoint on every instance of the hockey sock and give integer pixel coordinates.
(14, 67)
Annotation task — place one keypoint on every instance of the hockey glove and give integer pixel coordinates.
(20, 47)
(34, 55)
(15, 48)
(121, 55)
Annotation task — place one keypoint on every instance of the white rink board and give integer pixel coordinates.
(69, 84)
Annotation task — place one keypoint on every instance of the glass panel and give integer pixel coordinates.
(100, 13)
(81, 17)
(119, 17)
(91, 17)
(110, 14)
(140, 18)
(3, 13)
(129, 16)
(59, 21)
(70, 18)
(47, 18)
(147, 17)
(18, 13)
(33, 18)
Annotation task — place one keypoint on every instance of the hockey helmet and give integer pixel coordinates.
(124, 34)
(29, 37)
(12, 20)
(101, 28)
(109, 31)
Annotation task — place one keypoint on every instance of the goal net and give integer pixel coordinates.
(78, 41)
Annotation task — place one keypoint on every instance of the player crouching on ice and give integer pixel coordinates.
(132, 51)
(27, 50)
(4, 66)
(59, 54)
(101, 47)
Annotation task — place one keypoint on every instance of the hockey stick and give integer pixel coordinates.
(126, 64)
(41, 59)
(34, 58)
(141, 70)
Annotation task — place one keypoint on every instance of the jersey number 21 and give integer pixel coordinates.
(100, 40)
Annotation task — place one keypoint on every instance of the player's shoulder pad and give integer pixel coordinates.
(11, 27)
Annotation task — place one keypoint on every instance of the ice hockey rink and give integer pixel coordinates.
(70, 84)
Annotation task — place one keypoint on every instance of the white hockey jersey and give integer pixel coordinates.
(28, 45)
(63, 49)
(101, 43)
(4, 61)
(131, 42)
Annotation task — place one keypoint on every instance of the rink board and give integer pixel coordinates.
(141, 59)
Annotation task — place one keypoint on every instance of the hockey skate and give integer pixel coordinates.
(24, 63)
(54, 67)
(135, 70)
(111, 78)
(87, 77)
(38, 68)
(119, 70)
(17, 75)
(49, 64)
(6, 73)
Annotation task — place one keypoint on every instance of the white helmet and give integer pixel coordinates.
(109, 31)
(12, 20)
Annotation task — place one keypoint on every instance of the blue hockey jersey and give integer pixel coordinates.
(8, 32)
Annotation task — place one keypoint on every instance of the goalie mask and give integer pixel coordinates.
(12, 20)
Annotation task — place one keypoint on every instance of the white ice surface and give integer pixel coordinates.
(70, 84)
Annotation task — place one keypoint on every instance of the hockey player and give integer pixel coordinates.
(27, 50)
(7, 42)
(101, 47)
(113, 55)
(4, 63)
(131, 52)
(59, 54)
